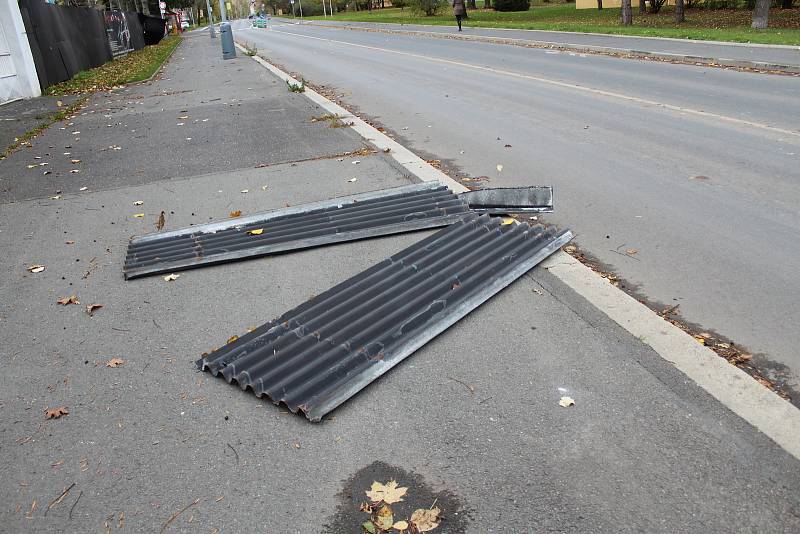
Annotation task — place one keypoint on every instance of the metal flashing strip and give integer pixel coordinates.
(318, 355)
(499, 200)
(376, 213)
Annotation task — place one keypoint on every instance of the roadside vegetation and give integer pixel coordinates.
(137, 66)
(713, 20)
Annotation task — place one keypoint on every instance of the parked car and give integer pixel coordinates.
(184, 25)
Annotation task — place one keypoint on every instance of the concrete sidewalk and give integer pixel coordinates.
(756, 56)
(471, 420)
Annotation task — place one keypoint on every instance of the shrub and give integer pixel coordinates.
(427, 7)
(399, 3)
(511, 5)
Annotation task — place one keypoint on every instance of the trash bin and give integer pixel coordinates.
(226, 38)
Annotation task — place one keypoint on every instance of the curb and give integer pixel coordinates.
(591, 49)
(738, 391)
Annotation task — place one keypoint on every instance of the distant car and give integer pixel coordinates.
(184, 25)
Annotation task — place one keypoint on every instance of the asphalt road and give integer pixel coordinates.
(696, 169)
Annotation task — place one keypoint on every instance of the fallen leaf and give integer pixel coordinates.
(367, 526)
(257, 231)
(59, 103)
(566, 402)
(171, 277)
(75, 161)
(232, 339)
(356, 162)
(45, 173)
(115, 362)
(35, 268)
(138, 202)
(507, 221)
(388, 493)
(138, 215)
(55, 413)
(352, 180)
(245, 191)
(55, 197)
(184, 117)
(76, 171)
(33, 166)
(499, 168)
(426, 519)
(700, 340)
(264, 187)
(631, 251)
(72, 299)
(160, 222)
(384, 518)
(400, 525)
(237, 213)
(69, 242)
(90, 308)
(507, 146)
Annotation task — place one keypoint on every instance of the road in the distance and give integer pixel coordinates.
(622, 142)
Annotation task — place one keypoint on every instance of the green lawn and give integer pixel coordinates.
(135, 67)
(712, 25)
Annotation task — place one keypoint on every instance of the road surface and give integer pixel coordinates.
(695, 169)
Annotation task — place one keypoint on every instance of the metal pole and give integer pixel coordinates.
(222, 12)
(210, 20)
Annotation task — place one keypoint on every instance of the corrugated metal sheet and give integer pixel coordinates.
(498, 200)
(389, 211)
(318, 355)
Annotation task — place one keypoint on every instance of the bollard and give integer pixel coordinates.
(226, 38)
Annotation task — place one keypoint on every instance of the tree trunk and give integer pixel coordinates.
(599, 4)
(761, 14)
(472, 4)
(679, 14)
(627, 14)
(487, 4)
(642, 7)
(787, 4)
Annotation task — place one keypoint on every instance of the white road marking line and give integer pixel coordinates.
(573, 86)
(735, 389)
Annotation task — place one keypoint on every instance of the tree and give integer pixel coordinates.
(599, 4)
(642, 6)
(679, 12)
(761, 15)
(627, 14)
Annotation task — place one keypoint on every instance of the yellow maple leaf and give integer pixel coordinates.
(257, 231)
(388, 493)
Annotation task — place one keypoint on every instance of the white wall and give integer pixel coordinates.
(18, 77)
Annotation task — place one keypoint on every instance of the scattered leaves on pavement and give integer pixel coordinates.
(426, 520)
(566, 402)
(257, 231)
(171, 277)
(72, 299)
(55, 413)
(35, 268)
(389, 493)
(90, 308)
(115, 362)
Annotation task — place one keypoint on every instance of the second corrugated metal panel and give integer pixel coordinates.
(376, 213)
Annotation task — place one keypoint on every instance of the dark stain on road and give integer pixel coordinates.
(348, 518)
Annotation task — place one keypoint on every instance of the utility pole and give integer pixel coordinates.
(226, 34)
(210, 20)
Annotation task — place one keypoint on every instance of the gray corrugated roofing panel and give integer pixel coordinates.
(384, 212)
(499, 200)
(318, 355)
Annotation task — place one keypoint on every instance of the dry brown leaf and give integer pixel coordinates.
(631, 251)
(171, 277)
(160, 222)
(35, 268)
(69, 242)
(566, 402)
(55, 413)
(75, 161)
(384, 519)
(426, 519)
(400, 525)
(388, 493)
(72, 299)
(257, 231)
(237, 213)
(115, 362)
(90, 308)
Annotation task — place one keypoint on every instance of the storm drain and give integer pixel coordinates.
(318, 355)
(384, 212)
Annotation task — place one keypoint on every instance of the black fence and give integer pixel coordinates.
(67, 40)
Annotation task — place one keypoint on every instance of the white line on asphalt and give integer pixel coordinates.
(577, 87)
(731, 386)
